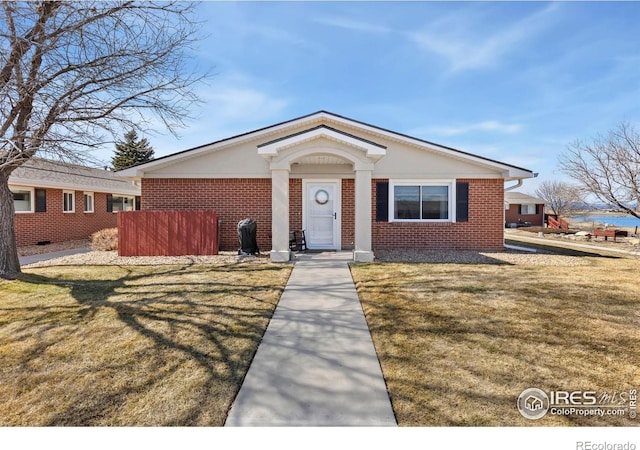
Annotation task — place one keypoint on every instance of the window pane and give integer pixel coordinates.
(22, 201)
(528, 209)
(122, 203)
(435, 202)
(68, 202)
(406, 202)
(118, 202)
(88, 202)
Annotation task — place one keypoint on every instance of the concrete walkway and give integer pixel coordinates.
(316, 365)
(24, 260)
(569, 244)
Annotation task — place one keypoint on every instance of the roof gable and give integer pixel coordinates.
(323, 119)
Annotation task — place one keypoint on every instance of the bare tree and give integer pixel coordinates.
(608, 167)
(558, 196)
(73, 73)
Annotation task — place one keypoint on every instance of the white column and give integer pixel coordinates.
(362, 251)
(280, 215)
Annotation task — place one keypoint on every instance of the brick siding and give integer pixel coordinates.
(348, 214)
(233, 199)
(295, 204)
(483, 231)
(236, 199)
(56, 226)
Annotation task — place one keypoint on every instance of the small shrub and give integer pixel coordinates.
(105, 240)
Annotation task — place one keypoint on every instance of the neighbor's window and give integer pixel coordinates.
(123, 203)
(421, 201)
(23, 200)
(88, 202)
(68, 201)
(527, 209)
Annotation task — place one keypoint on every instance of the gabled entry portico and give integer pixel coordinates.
(325, 151)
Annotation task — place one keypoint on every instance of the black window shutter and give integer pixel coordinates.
(538, 209)
(519, 209)
(462, 202)
(41, 200)
(382, 201)
(138, 203)
(109, 203)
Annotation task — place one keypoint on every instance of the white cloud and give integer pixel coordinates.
(231, 106)
(485, 126)
(240, 103)
(467, 44)
(352, 25)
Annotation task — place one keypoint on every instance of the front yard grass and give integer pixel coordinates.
(130, 346)
(458, 343)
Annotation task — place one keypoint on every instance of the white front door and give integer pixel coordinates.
(322, 214)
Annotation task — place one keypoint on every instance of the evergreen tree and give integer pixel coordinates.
(131, 151)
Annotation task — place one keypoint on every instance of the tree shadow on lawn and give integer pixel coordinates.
(159, 340)
(559, 250)
(480, 257)
(492, 348)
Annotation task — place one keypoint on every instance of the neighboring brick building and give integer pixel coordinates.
(523, 210)
(58, 202)
(348, 184)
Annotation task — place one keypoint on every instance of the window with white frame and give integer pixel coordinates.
(88, 202)
(421, 201)
(23, 199)
(123, 203)
(528, 209)
(68, 201)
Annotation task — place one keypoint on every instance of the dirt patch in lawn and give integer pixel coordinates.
(130, 346)
(458, 343)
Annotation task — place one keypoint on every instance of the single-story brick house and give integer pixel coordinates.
(523, 210)
(56, 201)
(348, 184)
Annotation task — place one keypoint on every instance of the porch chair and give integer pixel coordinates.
(297, 241)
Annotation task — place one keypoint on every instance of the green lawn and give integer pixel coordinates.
(459, 342)
(127, 346)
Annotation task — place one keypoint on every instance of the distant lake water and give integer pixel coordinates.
(617, 221)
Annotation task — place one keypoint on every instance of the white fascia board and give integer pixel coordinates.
(514, 173)
(138, 172)
(271, 150)
(509, 172)
(14, 181)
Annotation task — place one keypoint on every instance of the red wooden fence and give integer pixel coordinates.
(167, 233)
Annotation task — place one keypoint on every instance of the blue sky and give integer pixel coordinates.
(513, 81)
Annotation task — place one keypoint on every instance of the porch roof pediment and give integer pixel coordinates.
(371, 151)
